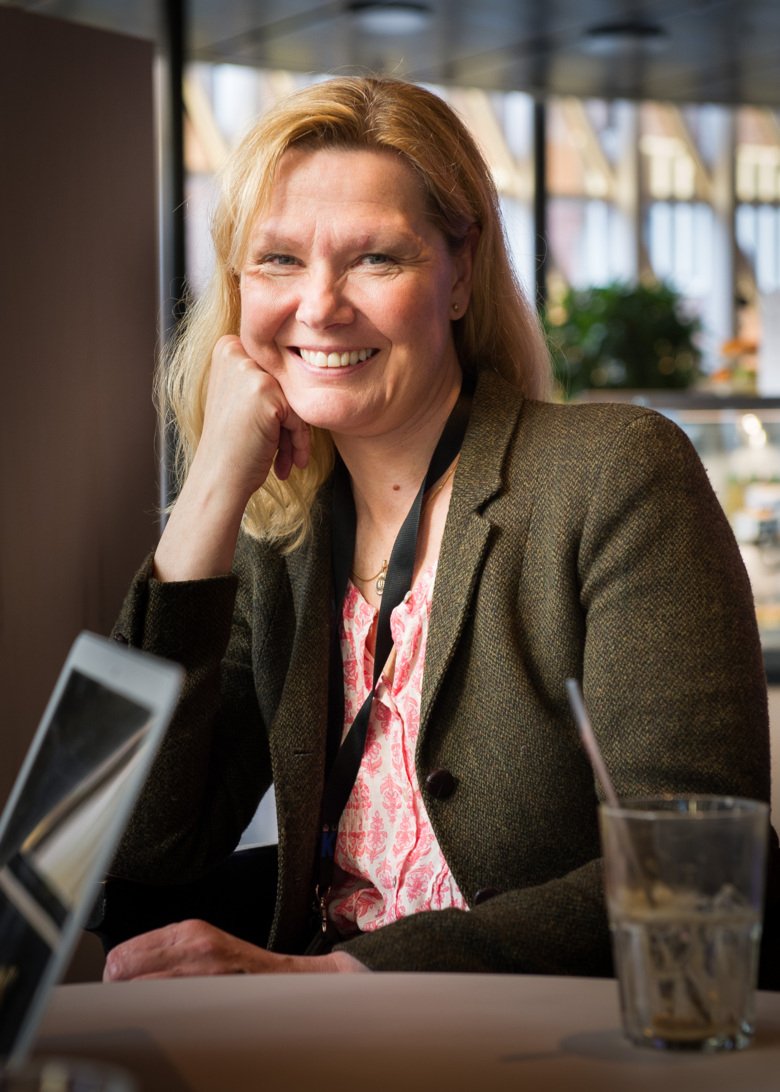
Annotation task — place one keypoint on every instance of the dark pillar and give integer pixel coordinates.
(540, 201)
(173, 266)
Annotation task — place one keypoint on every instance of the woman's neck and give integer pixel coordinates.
(386, 472)
(386, 477)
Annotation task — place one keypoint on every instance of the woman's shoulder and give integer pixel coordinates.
(598, 423)
(573, 429)
(629, 446)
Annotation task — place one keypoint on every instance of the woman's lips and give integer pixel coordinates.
(320, 358)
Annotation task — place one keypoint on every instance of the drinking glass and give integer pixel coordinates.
(685, 886)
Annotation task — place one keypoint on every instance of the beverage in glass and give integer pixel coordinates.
(685, 884)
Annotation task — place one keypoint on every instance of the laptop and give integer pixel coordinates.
(66, 814)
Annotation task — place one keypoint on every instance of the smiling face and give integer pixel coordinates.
(350, 283)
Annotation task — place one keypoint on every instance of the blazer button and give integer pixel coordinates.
(440, 784)
(484, 895)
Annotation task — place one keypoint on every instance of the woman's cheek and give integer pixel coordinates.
(255, 329)
(264, 311)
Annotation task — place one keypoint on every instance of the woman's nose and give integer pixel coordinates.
(323, 301)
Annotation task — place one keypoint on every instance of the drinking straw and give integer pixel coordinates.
(597, 762)
(589, 741)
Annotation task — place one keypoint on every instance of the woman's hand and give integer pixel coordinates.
(197, 948)
(248, 425)
(248, 428)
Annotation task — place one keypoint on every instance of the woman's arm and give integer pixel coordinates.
(188, 606)
(214, 764)
(248, 428)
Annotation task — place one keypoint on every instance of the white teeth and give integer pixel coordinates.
(335, 360)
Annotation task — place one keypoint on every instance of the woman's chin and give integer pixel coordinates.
(334, 412)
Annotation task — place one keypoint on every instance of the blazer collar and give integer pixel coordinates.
(494, 420)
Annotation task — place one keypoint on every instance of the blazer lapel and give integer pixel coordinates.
(467, 531)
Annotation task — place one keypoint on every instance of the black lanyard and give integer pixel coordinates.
(345, 759)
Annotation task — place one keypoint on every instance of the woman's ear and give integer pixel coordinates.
(464, 266)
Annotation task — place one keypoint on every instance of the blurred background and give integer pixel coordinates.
(636, 149)
(649, 129)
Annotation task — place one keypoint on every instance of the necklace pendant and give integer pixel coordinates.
(380, 580)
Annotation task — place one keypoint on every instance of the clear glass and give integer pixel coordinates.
(685, 887)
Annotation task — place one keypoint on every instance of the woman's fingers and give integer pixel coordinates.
(183, 949)
(300, 438)
(248, 424)
(294, 446)
(194, 947)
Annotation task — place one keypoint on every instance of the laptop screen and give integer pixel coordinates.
(61, 828)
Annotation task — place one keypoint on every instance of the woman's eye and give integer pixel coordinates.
(278, 260)
(377, 259)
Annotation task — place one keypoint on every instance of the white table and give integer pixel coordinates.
(324, 1033)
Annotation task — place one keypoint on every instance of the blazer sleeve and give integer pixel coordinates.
(664, 637)
(213, 765)
(672, 666)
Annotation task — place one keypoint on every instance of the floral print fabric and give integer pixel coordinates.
(388, 862)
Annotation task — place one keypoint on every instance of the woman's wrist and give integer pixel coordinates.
(332, 963)
(199, 540)
(344, 963)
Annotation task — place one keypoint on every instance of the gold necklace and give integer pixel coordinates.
(381, 576)
(441, 483)
(378, 577)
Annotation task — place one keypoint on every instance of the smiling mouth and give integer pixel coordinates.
(320, 359)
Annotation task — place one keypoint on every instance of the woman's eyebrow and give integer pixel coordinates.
(269, 238)
(382, 238)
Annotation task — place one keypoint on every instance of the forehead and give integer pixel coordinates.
(364, 185)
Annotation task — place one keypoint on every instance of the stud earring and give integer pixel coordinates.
(456, 307)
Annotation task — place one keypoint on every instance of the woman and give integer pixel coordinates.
(363, 310)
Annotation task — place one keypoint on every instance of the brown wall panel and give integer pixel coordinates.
(78, 319)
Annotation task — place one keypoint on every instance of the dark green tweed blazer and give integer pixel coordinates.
(580, 540)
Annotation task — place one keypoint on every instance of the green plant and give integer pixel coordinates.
(623, 336)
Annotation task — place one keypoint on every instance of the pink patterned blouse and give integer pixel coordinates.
(388, 862)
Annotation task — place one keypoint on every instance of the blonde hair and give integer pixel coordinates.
(499, 330)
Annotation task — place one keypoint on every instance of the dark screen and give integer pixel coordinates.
(56, 830)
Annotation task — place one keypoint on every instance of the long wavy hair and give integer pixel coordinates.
(499, 330)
